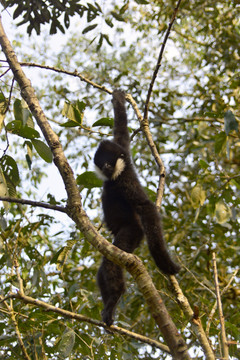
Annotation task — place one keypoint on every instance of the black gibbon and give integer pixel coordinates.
(128, 212)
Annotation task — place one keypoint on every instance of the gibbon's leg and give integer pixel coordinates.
(110, 276)
(112, 286)
(151, 221)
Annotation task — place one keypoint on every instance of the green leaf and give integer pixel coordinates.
(21, 113)
(28, 133)
(198, 196)
(143, 2)
(28, 156)
(3, 108)
(16, 127)
(61, 256)
(89, 180)
(230, 122)
(66, 344)
(106, 37)
(109, 22)
(17, 110)
(117, 16)
(105, 121)
(73, 113)
(10, 169)
(151, 194)
(220, 142)
(69, 124)
(222, 212)
(203, 164)
(4, 189)
(236, 182)
(43, 150)
(89, 28)
(81, 106)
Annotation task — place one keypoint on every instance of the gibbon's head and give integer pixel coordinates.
(109, 160)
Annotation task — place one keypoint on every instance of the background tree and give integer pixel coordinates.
(193, 116)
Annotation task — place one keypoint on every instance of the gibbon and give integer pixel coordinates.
(128, 212)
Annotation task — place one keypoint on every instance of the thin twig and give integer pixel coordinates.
(144, 120)
(159, 61)
(74, 73)
(145, 128)
(220, 311)
(210, 317)
(5, 72)
(20, 282)
(34, 203)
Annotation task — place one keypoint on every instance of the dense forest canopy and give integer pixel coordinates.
(185, 144)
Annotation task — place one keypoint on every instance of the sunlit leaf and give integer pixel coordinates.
(66, 344)
(198, 196)
(4, 189)
(72, 113)
(222, 212)
(3, 108)
(220, 142)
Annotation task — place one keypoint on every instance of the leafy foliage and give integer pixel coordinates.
(194, 120)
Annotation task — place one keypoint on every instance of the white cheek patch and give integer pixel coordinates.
(100, 174)
(119, 167)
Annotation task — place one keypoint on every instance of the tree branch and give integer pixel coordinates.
(71, 315)
(220, 311)
(145, 128)
(132, 263)
(210, 317)
(144, 121)
(195, 320)
(34, 203)
(74, 73)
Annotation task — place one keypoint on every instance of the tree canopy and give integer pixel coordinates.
(178, 64)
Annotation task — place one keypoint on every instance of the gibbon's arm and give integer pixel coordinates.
(120, 130)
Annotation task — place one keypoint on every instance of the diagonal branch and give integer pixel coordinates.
(145, 128)
(144, 121)
(75, 211)
(159, 61)
(71, 73)
(71, 315)
(220, 311)
(196, 323)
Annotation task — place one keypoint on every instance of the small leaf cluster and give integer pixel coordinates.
(38, 12)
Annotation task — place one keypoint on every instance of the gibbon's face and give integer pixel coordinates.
(109, 160)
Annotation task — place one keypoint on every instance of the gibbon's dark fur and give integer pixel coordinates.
(128, 212)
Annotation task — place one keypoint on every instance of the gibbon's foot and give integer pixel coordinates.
(165, 263)
(173, 268)
(107, 318)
